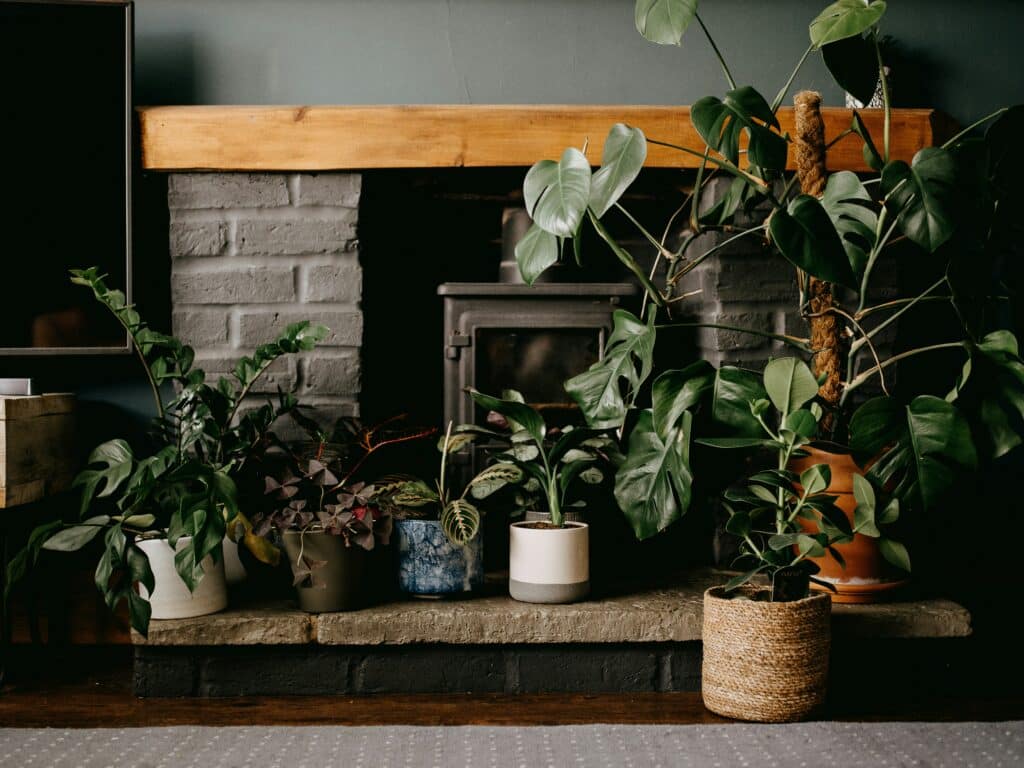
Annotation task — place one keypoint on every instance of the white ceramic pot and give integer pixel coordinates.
(549, 565)
(171, 598)
(234, 571)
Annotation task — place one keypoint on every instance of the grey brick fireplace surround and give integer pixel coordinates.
(253, 252)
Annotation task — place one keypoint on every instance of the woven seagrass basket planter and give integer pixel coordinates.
(764, 661)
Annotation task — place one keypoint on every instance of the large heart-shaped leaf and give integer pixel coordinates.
(557, 194)
(805, 235)
(733, 392)
(789, 383)
(847, 204)
(628, 358)
(854, 65)
(537, 251)
(664, 21)
(845, 18)
(923, 195)
(625, 151)
(991, 387)
(677, 391)
(920, 447)
(653, 485)
(721, 121)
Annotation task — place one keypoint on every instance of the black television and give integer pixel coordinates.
(66, 199)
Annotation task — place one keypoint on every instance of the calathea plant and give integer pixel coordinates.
(183, 486)
(459, 517)
(955, 204)
(551, 461)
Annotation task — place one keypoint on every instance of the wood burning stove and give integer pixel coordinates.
(505, 336)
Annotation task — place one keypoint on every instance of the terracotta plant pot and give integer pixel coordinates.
(764, 661)
(429, 565)
(549, 565)
(171, 598)
(868, 577)
(339, 584)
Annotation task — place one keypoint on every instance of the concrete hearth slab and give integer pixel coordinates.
(671, 613)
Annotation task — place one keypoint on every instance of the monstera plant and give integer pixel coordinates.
(183, 487)
(952, 208)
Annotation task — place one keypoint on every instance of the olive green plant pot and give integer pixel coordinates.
(338, 585)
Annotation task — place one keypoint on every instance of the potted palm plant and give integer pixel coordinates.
(952, 204)
(440, 547)
(164, 516)
(549, 557)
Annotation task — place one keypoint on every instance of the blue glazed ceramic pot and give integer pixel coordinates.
(429, 564)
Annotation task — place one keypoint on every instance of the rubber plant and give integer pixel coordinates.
(183, 485)
(953, 203)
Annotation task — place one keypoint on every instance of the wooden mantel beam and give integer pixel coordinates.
(240, 138)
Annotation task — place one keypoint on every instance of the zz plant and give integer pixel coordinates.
(954, 204)
(183, 487)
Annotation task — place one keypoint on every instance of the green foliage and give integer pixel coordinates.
(849, 206)
(805, 235)
(624, 153)
(664, 21)
(537, 251)
(557, 194)
(844, 19)
(184, 487)
(923, 196)
(720, 122)
(991, 389)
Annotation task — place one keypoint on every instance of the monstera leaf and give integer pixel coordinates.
(624, 153)
(537, 251)
(854, 65)
(845, 18)
(847, 203)
(653, 485)
(628, 359)
(676, 392)
(664, 21)
(733, 392)
(923, 195)
(920, 447)
(991, 386)
(116, 460)
(557, 194)
(805, 235)
(721, 121)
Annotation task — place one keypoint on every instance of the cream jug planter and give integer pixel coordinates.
(171, 598)
(549, 565)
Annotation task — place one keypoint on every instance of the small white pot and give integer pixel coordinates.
(234, 571)
(549, 565)
(171, 598)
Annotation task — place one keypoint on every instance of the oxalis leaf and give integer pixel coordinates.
(628, 359)
(557, 194)
(721, 121)
(805, 235)
(845, 18)
(923, 195)
(920, 448)
(624, 153)
(664, 21)
(653, 485)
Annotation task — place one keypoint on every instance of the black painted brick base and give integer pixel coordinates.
(876, 669)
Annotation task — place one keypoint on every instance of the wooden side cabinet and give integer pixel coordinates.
(37, 454)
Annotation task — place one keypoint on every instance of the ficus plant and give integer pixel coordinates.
(552, 461)
(952, 207)
(183, 487)
(458, 515)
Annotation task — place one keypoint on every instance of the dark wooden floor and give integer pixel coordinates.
(89, 692)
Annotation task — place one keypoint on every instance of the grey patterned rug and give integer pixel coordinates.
(858, 745)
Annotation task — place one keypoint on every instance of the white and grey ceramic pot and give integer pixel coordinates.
(429, 565)
(549, 565)
(234, 571)
(171, 598)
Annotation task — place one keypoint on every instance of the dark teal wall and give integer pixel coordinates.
(965, 58)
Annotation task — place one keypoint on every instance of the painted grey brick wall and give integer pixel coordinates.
(253, 252)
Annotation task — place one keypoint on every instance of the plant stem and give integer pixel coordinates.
(693, 264)
(885, 93)
(880, 241)
(793, 341)
(785, 89)
(974, 125)
(444, 459)
(860, 379)
(630, 263)
(908, 304)
(662, 251)
(721, 163)
(718, 53)
(900, 302)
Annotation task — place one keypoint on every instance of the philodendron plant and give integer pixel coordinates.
(459, 517)
(183, 488)
(954, 204)
(551, 461)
